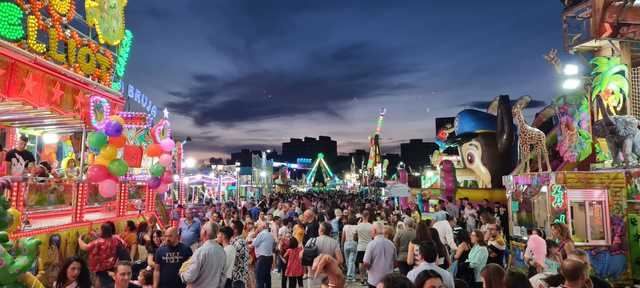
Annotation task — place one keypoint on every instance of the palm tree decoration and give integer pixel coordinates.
(610, 82)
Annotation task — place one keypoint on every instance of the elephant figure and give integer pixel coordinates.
(622, 135)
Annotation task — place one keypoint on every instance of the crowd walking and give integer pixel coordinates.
(320, 241)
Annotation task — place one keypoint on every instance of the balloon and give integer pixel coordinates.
(108, 188)
(108, 152)
(162, 188)
(118, 167)
(15, 219)
(116, 118)
(167, 178)
(118, 142)
(97, 173)
(102, 161)
(167, 144)
(156, 170)
(154, 150)
(165, 160)
(113, 128)
(97, 140)
(154, 182)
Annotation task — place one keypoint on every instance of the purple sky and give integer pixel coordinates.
(252, 74)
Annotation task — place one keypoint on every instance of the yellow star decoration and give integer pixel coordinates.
(108, 18)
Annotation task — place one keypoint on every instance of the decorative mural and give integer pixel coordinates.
(610, 82)
(574, 139)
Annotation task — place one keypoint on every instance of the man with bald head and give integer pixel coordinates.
(264, 245)
(169, 258)
(575, 273)
(312, 225)
(379, 257)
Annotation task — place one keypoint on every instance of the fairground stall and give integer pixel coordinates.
(60, 83)
(591, 138)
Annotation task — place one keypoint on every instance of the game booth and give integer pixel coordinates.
(577, 167)
(60, 86)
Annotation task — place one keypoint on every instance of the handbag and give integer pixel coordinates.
(310, 252)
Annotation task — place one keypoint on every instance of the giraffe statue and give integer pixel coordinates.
(529, 136)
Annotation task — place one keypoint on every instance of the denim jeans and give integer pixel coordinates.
(263, 271)
(350, 250)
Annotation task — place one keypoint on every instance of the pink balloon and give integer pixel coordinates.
(97, 173)
(163, 188)
(108, 188)
(167, 178)
(165, 160)
(167, 144)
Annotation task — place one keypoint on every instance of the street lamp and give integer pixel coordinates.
(190, 163)
(571, 84)
(570, 70)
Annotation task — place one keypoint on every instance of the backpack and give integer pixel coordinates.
(310, 252)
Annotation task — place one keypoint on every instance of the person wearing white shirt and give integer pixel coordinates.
(224, 238)
(445, 231)
(427, 258)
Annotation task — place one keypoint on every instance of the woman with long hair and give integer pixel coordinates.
(478, 255)
(444, 261)
(152, 245)
(74, 274)
(561, 233)
(493, 276)
(422, 234)
(463, 271)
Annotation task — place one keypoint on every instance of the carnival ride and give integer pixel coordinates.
(329, 180)
(374, 164)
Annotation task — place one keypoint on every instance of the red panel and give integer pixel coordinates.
(132, 155)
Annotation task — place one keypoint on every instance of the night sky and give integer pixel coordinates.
(254, 73)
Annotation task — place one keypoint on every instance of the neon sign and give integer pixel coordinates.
(558, 194)
(137, 96)
(43, 28)
(99, 111)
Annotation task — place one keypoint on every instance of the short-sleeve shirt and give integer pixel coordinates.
(170, 260)
(381, 257)
(102, 254)
(25, 155)
(327, 245)
(189, 233)
(364, 235)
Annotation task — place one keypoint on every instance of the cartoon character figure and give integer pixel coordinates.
(108, 18)
(15, 263)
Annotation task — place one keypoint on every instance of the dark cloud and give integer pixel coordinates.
(322, 83)
(483, 105)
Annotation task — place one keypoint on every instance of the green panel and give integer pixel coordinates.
(634, 244)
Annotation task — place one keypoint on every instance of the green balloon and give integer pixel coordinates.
(118, 167)
(156, 170)
(97, 140)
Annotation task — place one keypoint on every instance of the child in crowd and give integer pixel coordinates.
(145, 278)
(294, 269)
(553, 259)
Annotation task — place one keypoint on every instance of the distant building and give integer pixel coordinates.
(416, 154)
(394, 160)
(308, 148)
(244, 157)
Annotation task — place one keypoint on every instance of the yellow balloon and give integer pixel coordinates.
(109, 152)
(15, 219)
(117, 119)
(101, 161)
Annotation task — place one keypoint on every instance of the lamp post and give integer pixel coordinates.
(237, 183)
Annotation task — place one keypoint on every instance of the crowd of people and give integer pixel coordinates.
(327, 241)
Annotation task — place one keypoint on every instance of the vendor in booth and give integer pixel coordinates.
(20, 158)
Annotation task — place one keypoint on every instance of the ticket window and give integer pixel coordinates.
(589, 214)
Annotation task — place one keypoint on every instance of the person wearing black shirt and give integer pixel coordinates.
(19, 155)
(311, 230)
(169, 258)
